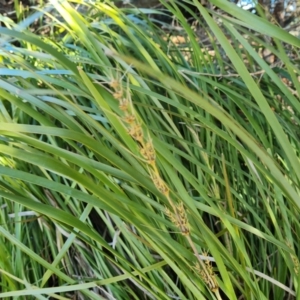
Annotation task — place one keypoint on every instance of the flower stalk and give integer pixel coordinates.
(177, 214)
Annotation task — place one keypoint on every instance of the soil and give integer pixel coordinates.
(138, 3)
(7, 6)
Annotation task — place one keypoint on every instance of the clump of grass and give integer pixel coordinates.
(119, 186)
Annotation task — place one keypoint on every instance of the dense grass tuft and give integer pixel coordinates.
(141, 162)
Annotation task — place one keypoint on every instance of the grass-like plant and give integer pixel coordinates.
(133, 167)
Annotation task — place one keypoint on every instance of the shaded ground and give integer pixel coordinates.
(281, 11)
(7, 6)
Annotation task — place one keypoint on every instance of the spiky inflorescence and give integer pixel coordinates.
(179, 218)
(207, 274)
(178, 215)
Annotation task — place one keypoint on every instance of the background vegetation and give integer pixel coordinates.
(148, 160)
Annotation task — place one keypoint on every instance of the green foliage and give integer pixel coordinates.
(134, 167)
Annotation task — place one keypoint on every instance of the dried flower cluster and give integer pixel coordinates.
(295, 260)
(296, 264)
(206, 272)
(179, 218)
